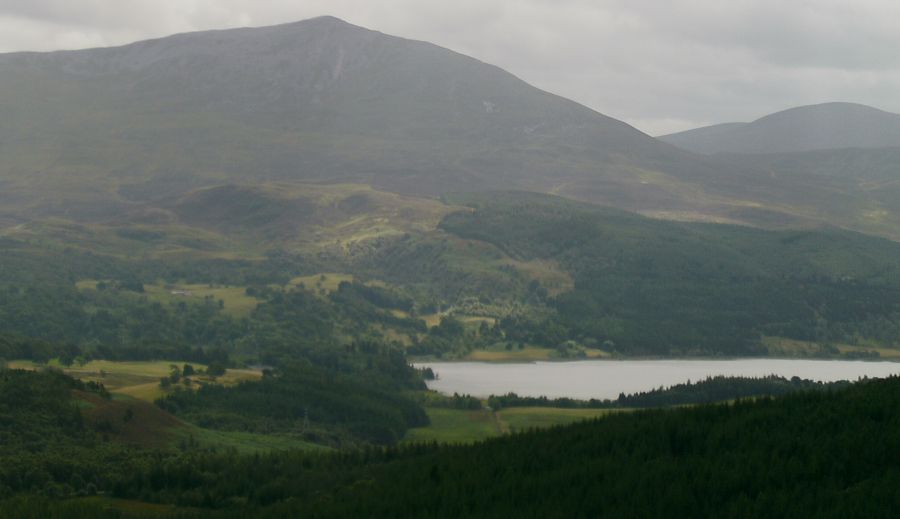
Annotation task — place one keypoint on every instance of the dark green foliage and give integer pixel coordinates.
(458, 401)
(46, 447)
(652, 287)
(363, 305)
(215, 369)
(710, 390)
(832, 453)
(378, 296)
(360, 407)
(817, 454)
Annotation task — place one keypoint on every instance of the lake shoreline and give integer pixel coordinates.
(607, 378)
(418, 361)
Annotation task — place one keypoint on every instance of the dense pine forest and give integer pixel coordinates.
(831, 452)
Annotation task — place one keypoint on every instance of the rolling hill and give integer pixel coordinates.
(805, 128)
(102, 135)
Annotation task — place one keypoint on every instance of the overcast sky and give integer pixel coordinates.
(661, 65)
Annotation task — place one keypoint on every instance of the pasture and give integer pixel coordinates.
(467, 426)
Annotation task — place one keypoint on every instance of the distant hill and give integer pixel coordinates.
(319, 100)
(156, 132)
(96, 134)
(806, 128)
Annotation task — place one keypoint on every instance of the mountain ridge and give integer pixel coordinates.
(93, 134)
(833, 125)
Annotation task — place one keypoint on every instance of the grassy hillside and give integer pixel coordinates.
(805, 128)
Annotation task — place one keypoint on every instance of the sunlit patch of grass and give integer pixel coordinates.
(527, 354)
(781, 346)
(140, 379)
(524, 418)
(455, 426)
(244, 442)
(234, 299)
(464, 426)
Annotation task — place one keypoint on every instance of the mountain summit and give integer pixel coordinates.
(806, 128)
(92, 135)
(314, 101)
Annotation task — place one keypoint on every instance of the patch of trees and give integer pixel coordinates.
(46, 446)
(379, 296)
(707, 391)
(303, 399)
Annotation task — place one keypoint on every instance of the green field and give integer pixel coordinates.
(527, 354)
(780, 346)
(455, 426)
(524, 418)
(138, 379)
(235, 300)
(243, 442)
(463, 426)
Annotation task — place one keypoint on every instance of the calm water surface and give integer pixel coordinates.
(607, 378)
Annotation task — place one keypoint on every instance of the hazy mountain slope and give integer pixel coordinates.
(697, 288)
(93, 134)
(805, 128)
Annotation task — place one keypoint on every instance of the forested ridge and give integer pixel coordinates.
(646, 286)
(825, 453)
(710, 390)
(638, 287)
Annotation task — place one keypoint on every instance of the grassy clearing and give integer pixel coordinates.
(235, 301)
(432, 320)
(139, 379)
(524, 418)
(780, 346)
(499, 353)
(243, 442)
(455, 426)
(527, 354)
(461, 426)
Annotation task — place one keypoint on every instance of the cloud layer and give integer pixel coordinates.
(661, 66)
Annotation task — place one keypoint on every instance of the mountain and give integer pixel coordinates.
(101, 135)
(806, 128)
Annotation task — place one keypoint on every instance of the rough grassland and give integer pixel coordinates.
(235, 300)
(463, 426)
(243, 442)
(527, 354)
(524, 418)
(139, 379)
(455, 426)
